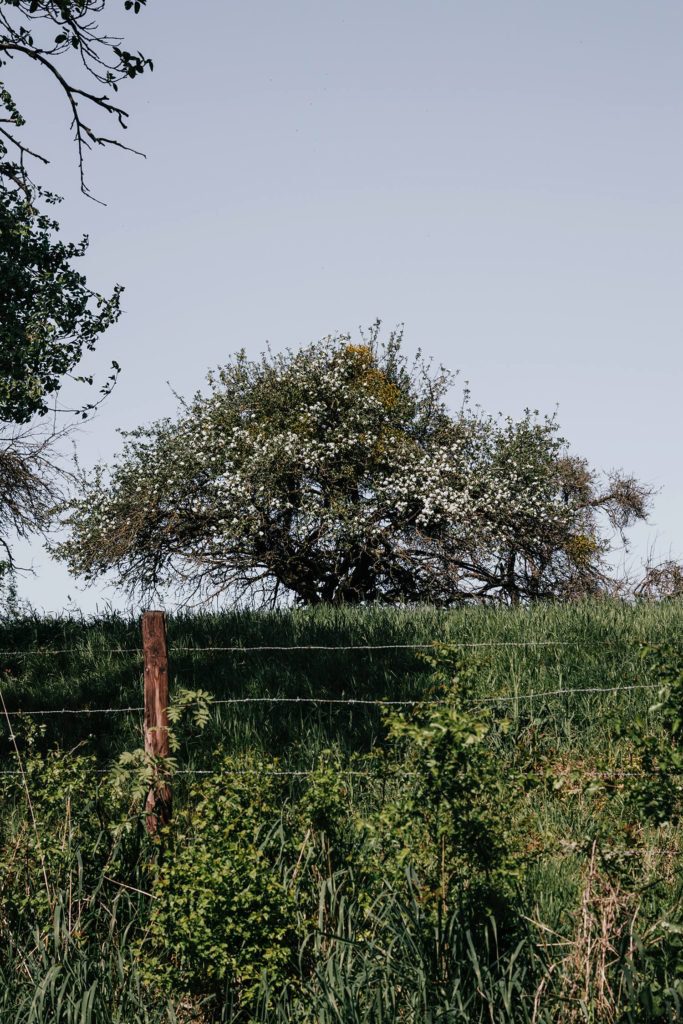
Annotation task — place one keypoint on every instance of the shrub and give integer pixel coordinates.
(222, 915)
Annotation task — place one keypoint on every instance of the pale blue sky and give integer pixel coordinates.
(506, 178)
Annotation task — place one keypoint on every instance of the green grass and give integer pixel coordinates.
(383, 960)
(602, 652)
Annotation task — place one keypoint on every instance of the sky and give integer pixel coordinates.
(503, 177)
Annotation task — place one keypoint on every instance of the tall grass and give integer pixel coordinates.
(96, 670)
(79, 974)
(373, 955)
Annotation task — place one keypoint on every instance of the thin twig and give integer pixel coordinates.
(131, 887)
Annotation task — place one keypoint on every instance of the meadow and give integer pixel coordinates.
(503, 846)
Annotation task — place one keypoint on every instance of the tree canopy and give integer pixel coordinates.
(337, 473)
(49, 316)
(64, 42)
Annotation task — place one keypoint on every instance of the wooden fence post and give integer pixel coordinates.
(158, 803)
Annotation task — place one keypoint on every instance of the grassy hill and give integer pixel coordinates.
(492, 853)
(99, 664)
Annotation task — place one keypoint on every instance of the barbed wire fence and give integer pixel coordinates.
(155, 653)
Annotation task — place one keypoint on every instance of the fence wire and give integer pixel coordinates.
(307, 772)
(432, 645)
(350, 701)
(568, 848)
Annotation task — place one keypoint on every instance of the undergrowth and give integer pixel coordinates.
(457, 860)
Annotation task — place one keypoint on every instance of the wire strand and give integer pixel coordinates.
(351, 701)
(562, 772)
(236, 649)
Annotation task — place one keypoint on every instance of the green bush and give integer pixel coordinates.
(657, 795)
(222, 914)
(460, 812)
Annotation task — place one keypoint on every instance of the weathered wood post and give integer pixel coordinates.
(158, 803)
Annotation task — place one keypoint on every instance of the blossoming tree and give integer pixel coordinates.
(337, 474)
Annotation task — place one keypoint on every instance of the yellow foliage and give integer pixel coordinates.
(581, 548)
(367, 373)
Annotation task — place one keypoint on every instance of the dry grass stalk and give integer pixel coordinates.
(584, 977)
